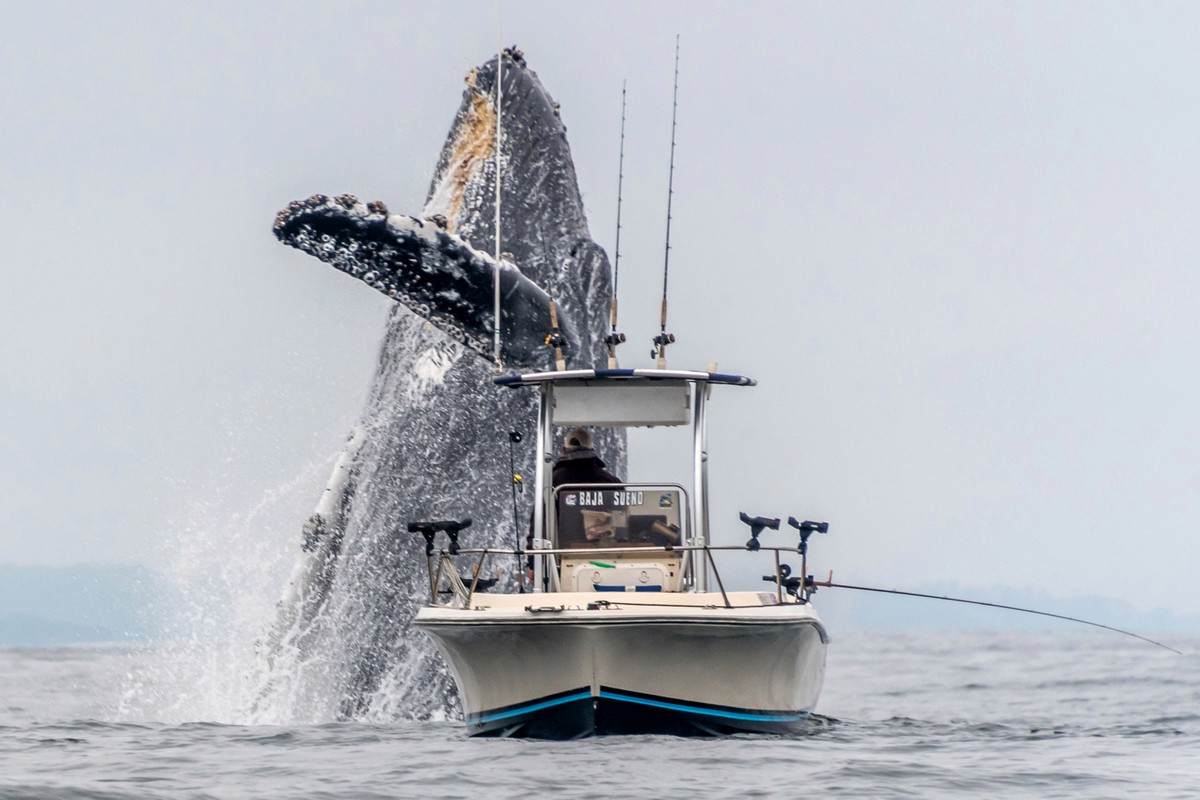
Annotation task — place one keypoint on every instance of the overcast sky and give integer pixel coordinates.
(956, 244)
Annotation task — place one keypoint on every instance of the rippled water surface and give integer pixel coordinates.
(929, 715)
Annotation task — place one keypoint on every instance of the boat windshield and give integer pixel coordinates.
(618, 515)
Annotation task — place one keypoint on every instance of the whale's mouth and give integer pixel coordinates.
(473, 147)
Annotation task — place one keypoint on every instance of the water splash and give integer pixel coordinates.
(223, 574)
(432, 443)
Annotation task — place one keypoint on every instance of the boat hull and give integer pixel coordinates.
(596, 667)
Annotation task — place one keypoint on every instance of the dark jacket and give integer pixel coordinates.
(581, 466)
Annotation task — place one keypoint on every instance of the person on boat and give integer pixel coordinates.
(579, 462)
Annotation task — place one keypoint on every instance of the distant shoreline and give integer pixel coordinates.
(96, 604)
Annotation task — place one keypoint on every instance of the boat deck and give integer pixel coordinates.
(580, 600)
(601, 608)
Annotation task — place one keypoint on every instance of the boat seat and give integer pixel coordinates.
(621, 575)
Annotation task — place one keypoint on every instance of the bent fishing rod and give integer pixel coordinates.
(830, 584)
(803, 586)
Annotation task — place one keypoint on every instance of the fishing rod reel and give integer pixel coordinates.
(757, 526)
(802, 586)
(791, 585)
(451, 527)
(612, 340)
(660, 348)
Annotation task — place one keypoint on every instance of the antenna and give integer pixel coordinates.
(663, 339)
(615, 338)
(496, 270)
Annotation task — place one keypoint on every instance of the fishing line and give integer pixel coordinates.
(833, 585)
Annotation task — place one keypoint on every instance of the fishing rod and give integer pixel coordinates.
(615, 338)
(514, 437)
(555, 340)
(663, 339)
(496, 269)
(829, 583)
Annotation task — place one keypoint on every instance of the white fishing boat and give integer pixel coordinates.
(627, 626)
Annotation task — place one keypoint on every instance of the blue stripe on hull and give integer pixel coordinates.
(576, 713)
(566, 715)
(710, 711)
(532, 707)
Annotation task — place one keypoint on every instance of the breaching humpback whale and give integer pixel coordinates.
(433, 440)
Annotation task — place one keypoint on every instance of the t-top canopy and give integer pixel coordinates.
(582, 375)
(624, 398)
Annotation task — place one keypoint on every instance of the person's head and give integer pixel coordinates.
(577, 439)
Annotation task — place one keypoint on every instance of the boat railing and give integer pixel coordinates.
(463, 589)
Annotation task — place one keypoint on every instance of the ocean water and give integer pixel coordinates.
(923, 715)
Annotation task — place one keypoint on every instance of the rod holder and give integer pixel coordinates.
(429, 529)
(806, 529)
(757, 526)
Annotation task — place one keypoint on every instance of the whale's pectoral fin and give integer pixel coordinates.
(431, 271)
